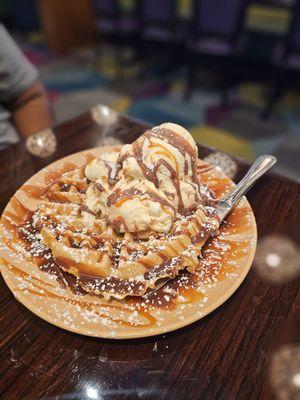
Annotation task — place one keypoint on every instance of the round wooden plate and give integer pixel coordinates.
(227, 259)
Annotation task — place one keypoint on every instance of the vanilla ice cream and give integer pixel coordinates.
(138, 207)
(147, 184)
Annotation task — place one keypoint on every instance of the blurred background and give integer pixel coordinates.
(226, 70)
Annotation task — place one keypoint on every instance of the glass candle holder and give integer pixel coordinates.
(222, 162)
(42, 144)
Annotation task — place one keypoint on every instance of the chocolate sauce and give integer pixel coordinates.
(117, 223)
(87, 284)
(112, 179)
(99, 187)
(120, 194)
(151, 174)
(174, 140)
(111, 284)
(85, 208)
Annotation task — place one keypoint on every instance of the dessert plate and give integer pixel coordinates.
(226, 261)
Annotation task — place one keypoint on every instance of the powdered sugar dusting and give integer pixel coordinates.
(186, 295)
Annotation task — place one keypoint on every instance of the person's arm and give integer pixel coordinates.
(31, 111)
(21, 91)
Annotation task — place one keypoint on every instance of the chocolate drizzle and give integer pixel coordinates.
(174, 140)
(168, 266)
(85, 208)
(112, 175)
(151, 173)
(118, 195)
(99, 187)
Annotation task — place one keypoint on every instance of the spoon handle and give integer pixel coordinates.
(260, 167)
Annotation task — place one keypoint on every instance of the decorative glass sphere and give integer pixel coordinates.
(42, 144)
(277, 259)
(285, 373)
(222, 162)
(109, 141)
(103, 115)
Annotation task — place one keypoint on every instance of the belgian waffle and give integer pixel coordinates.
(104, 260)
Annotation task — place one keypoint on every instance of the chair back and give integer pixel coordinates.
(293, 40)
(107, 8)
(157, 12)
(219, 18)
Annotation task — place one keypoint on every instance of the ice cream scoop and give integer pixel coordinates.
(164, 151)
(147, 184)
(104, 169)
(140, 207)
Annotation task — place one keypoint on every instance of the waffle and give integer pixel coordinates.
(107, 261)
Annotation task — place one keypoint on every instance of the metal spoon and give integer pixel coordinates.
(231, 199)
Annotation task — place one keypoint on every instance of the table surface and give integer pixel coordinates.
(222, 356)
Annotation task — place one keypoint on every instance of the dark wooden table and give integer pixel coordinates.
(224, 356)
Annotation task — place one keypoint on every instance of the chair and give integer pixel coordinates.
(286, 60)
(111, 21)
(159, 21)
(114, 26)
(215, 38)
(161, 30)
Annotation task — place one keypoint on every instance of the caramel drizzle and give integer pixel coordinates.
(52, 176)
(20, 210)
(85, 305)
(118, 195)
(34, 191)
(151, 174)
(174, 140)
(23, 274)
(178, 142)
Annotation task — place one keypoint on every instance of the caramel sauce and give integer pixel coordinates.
(151, 321)
(23, 274)
(152, 173)
(117, 223)
(174, 140)
(65, 263)
(238, 219)
(226, 269)
(190, 296)
(51, 176)
(220, 188)
(19, 209)
(34, 191)
(210, 251)
(10, 243)
(119, 194)
(89, 157)
(167, 153)
(11, 221)
(203, 168)
(57, 197)
(121, 201)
